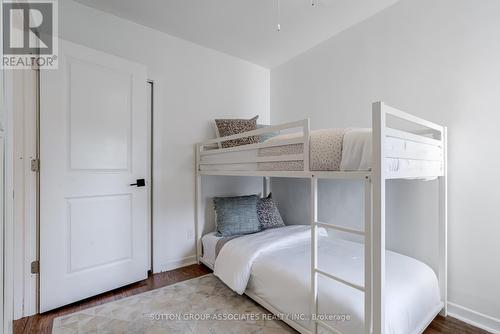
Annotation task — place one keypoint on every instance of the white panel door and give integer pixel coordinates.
(93, 145)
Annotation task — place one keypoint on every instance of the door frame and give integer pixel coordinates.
(8, 102)
(25, 189)
(8, 228)
(151, 113)
(26, 294)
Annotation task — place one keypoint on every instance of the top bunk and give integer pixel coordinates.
(400, 145)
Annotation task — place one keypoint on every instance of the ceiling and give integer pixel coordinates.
(247, 28)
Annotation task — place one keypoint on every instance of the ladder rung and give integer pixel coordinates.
(340, 228)
(327, 326)
(340, 280)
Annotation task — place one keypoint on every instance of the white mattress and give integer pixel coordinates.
(411, 286)
(280, 276)
(356, 155)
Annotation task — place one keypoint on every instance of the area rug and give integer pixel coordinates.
(200, 305)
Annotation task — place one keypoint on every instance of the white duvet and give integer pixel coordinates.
(234, 262)
(275, 266)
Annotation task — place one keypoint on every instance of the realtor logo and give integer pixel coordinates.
(29, 34)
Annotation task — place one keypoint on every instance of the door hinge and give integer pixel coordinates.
(35, 165)
(35, 267)
(34, 64)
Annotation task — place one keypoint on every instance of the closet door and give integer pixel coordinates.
(94, 209)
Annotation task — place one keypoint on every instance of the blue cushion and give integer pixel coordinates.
(236, 215)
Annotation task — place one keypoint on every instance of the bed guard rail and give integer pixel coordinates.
(424, 142)
(211, 153)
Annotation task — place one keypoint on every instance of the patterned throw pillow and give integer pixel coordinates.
(269, 216)
(236, 215)
(228, 127)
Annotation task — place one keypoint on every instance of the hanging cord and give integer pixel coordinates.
(278, 12)
(278, 19)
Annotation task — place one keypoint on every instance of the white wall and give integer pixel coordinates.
(439, 60)
(193, 85)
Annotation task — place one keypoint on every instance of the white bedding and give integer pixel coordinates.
(209, 242)
(234, 262)
(274, 265)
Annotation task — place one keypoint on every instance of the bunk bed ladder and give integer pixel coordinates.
(316, 271)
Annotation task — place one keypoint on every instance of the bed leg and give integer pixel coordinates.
(368, 254)
(378, 211)
(198, 207)
(443, 229)
(266, 186)
(314, 255)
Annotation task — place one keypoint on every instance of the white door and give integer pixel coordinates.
(93, 145)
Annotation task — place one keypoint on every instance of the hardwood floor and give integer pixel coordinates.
(42, 323)
(451, 325)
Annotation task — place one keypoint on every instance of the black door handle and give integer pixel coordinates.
(139, 183)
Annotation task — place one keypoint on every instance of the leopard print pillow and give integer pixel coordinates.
(228, 127)
(269, 216)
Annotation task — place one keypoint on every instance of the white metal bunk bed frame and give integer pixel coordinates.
(374, 203)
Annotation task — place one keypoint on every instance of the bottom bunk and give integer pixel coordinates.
(273, 267)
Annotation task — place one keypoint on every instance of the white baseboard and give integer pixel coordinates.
(474, 318)
(174, 264)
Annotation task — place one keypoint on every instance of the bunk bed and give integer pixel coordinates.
(398, 146)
